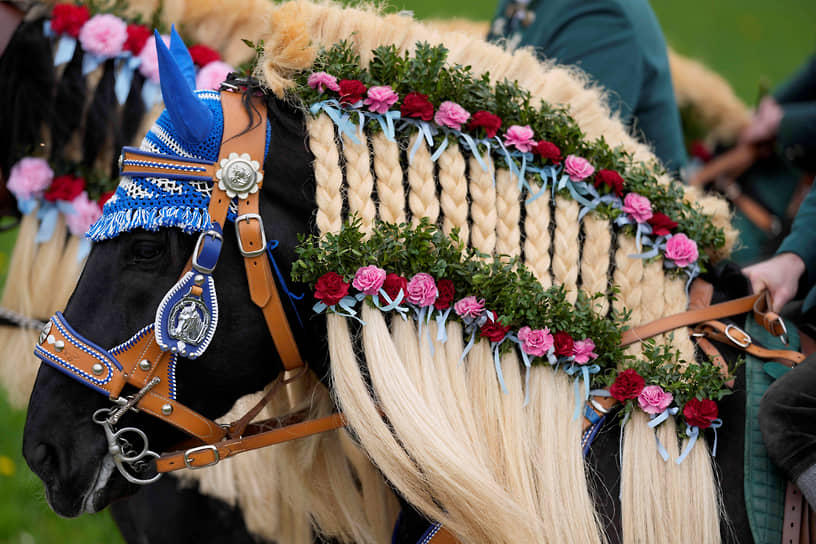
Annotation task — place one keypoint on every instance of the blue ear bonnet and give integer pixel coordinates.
(153, 203)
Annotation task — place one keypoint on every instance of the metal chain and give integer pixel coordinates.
(20, 320)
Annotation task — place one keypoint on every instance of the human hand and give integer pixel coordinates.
(765, 123)
(779, 275)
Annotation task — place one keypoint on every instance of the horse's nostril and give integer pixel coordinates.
(42, 458)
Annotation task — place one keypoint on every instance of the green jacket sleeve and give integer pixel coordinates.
(802, 238)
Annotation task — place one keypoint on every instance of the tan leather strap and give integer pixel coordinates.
(716, 357)
(443, 536)
(733, 335)
(134, 162)
(795, 509)
(601, 406)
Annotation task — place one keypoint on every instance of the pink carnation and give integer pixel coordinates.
(380, 98)
(520, 137)
(368, 279)
(469, 307)
(29, 178)
(682, 250)
(104, 35)
(535, 342)
(578, 168)
(85, 213)
(422, 290)
(149, 66)
(211, 76)
(451, 115)
(583, 352)
(653, 400)
(322, 80)
(638, 207)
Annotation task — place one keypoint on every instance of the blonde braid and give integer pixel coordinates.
(537, 239)
(390, 191)
(509, 214)
(328, 176)
(595, 259)
(454, 197)
(566, 243)
(422, 199)
(483, 206)
(628, 277)
(360, 181)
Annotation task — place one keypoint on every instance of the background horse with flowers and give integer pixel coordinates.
(518, 477)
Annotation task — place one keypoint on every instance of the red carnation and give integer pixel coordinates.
(700, 413)
(393, 284)
(661, 224)
(68, 19)
(445, 288)
(203, 55)
(351, 91)
(104, 197)
(563, 344)
(417, 105)
(700, 150)
(137, 35)
(494, 331)
(611, 179)
(628, 385)
(64, 188)
(548, 150)
(489, 122)
(330, 288)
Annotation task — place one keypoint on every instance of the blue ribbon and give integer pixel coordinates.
(441, 149)
(573, 189)
(585, 372)
(715, 424)
(84, 249)
(27, 205)
(474, 149)
(126, 67)
(391, 304)
(508, 159)
(657, 420)
(292, 297)
(527, 364)
(441, 320)
(692, 433)
(386, 121)
(151, 94)
(497, 364)
(657, 245)
(546, 174)
(48, 32)
(66, 45)
(426, 131)
(470, 343)
(91, 63)
(341, 120)
(47, 216)
(347, 304)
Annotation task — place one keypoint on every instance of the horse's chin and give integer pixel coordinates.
(104, 489)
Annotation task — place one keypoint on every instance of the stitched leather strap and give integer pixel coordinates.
(443, 536)
(795, 508)
(736, 337)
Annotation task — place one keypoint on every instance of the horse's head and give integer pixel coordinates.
(146, 237)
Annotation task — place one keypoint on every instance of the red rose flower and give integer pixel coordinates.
(330, 288)
(700, 150)
(486, 120)
(351, 91)
(392, 285)
(627, 385)
(563, 344)
(445, 288)
(64, 188)
(700, 413)
(611, 179)
(104, 197)
(203, 55)
(548, 150)
(68, 19)
(494, 331)
(417, 105)
(137, 35)
(661, 224)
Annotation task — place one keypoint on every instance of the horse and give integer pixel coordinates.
(497, 501)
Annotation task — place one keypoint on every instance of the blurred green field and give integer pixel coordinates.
(748, 42)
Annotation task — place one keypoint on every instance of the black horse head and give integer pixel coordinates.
(118, 294)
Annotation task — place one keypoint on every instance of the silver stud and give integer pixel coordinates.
(167, 409)
(46, 330)
(198, 279)
(97, 369)
(144, 364)
(59, 345)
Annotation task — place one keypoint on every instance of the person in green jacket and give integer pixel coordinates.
(619, 44)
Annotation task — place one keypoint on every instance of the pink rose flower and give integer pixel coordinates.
(149, 66)
(682, 250)
(653, 400)
(578, 168)
(368, 279)
(85, 213)
(638, 207)
(583, 352)
(451, 115)
(469, 307)
(104, 35)
(29, 178)
(535, 342)
(381, 98)
(211, 76)
(520, 137)
(422, 290)
(322, 80)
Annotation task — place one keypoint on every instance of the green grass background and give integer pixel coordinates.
(749, 42)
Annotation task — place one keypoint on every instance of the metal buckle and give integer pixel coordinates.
(247, 217)
(784, 336)
(189, 462)
(744, 343)
(198, 267)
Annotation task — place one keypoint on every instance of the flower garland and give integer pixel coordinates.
(399, 92)
(422, 273)
(102, 34)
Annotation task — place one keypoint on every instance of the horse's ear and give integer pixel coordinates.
(190, 116)
(182, 56)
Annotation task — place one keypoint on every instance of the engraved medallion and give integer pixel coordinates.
(239, 175)
(189, 319)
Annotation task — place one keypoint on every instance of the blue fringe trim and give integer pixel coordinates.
(112, 224)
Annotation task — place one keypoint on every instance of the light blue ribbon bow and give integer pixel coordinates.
(583, 371)
(386, 121)
(64, 52)
(657, 419)
(340, 119)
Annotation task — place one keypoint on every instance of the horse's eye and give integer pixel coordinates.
(146, 250)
